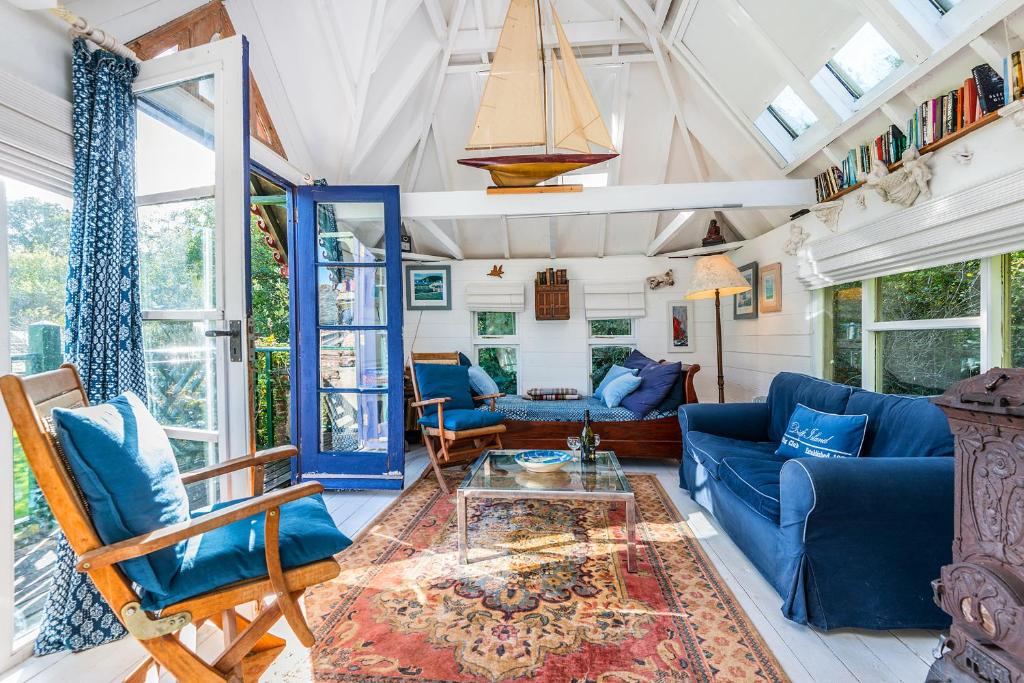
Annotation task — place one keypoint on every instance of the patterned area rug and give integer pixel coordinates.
(546, 596)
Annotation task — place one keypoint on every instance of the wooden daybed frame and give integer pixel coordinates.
(659, 438)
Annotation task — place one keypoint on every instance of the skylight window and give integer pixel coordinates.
(792, 113)
(864, 62)
(943, 6)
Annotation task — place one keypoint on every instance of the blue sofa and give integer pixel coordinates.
(846, 542)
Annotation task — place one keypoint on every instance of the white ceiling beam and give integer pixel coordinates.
(675, 226)
(579, 33)
(437, 20)
(747, 194)
(590, 60)
(397, 25)
(484, 44)
(661, 8)
(362, 88)
(552, 237)
(684, 13)
(989, 51)
(675, 100)
(506, 239)
(904, 35)
(400, 146)
(441, 236)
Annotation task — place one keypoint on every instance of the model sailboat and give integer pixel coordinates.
(514, 108)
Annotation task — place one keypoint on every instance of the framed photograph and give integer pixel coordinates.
(428, 288)
(744, 306)
(770, 290)
(681, 327)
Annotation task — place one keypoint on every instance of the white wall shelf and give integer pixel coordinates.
(706, 251)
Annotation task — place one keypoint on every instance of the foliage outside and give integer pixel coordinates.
(618, 327)
(502, 364)
(846, 334)
(602, 358)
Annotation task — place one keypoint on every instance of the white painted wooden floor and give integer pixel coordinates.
(806, 654)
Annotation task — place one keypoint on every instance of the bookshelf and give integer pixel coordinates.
(938, 144)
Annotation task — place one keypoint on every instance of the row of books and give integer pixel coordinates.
(550, 276)
(984, 92)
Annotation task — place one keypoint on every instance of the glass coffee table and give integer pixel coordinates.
(496, 474)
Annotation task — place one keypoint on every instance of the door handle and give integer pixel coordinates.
(234, 335)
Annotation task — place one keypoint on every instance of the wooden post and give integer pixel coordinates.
(718, 341)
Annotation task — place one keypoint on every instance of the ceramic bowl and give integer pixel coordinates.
(543, 461)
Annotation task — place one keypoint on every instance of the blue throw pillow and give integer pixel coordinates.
(614, 372)
(823, 435)
(481, 382)
(125, 466)
(620, 388)
(437, 381)
(637, 361)
(656, 382)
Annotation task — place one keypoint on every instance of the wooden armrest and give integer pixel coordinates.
(235, 464)
(429, 402)
(169, 535)
(487, 397)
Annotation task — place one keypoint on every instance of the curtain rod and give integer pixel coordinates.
(81, 27)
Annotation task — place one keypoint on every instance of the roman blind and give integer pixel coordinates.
(35, 135)
(495, 296)
(607, 300)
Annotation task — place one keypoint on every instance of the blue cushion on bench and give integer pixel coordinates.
(461, 419)
(237, 552)
(124, 464)
(710, 449)
(614, 372)
(756, 482)
(655, 383)
(439, 381)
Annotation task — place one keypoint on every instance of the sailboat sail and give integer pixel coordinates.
(511, 112)
(568, 131)
(584, 108)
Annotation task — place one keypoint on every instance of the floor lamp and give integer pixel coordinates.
(714, 277)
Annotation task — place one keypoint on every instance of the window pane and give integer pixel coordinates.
(793, 111)
(175, 137)
(191, 455)
(952, 291)
(352, 296)
(353, 422)
(502, 364)
(180, 373)
(602, 358)
(927, 362)
(176, 255)
(495, 323)
(351, 232)
(353, 360)
(35, 545)
(866, 59)
(1017, 309)
(619, 327)
(847, 364)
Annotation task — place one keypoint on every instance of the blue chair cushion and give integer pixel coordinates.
(655, 382)
(790, 388)
(461, 419)
(438, 381)
(710, 449)
(481, 382)
(755, 481)
(619, 388)
(823, 435)
(902, 426)
(237, 552)
(614, 372)
(124, 464)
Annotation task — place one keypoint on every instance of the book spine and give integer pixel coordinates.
(1018, 75)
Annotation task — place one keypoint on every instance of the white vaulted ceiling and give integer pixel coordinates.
(385, 91)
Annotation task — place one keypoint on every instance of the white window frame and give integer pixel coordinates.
(505, 341)
(596, 341)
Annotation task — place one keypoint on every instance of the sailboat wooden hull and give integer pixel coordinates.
(527, 170)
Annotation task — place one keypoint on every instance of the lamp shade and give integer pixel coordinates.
(713, 273)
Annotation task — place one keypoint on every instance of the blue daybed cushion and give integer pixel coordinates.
(438, 381)
(614, 372)
(789, 388)
(236, 552)
(823, 435)
(890, 416)
(126, 469)
(637, 361)
(481, 382)
(460, 419)
(655, 383)
(619, 388)
(755, 481)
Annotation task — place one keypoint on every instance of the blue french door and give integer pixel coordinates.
(348, 290)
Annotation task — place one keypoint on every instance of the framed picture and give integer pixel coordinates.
(744, 305)
(428, 288)
(681, 328)
(770, 291)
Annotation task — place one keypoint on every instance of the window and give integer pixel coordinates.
(603, 353)
(864, 62)
(38, 227)
(619, 327)
(791, 113)
(495, 324)
(1016, 300)
(497, 349)
(943, 6)
(844, 361)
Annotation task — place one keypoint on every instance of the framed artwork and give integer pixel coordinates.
(428, 288)
(744, 305)
(770, 290)
(682, 329)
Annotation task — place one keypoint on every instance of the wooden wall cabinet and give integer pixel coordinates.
(551, 302)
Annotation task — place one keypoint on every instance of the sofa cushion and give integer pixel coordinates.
(823, 435)
(237, 552)
(755, 481)
(902, 426)
(619, 389)
(789, 388)
(124, 464)
(438, 381)
(461, 419)
(709, 450)
(655, 382)
(614, 372)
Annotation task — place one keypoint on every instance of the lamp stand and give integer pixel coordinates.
(718, 341)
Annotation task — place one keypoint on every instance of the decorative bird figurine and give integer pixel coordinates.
(496, 271)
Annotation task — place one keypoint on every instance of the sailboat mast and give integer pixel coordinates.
(543, 75)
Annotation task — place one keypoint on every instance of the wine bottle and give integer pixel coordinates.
(587, 448)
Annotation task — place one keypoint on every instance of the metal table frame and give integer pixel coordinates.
(464, 492)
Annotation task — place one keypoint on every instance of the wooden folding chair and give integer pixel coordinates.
(249, 647)
(440, 442)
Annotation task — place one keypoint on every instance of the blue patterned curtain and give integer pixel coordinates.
(103, 313)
